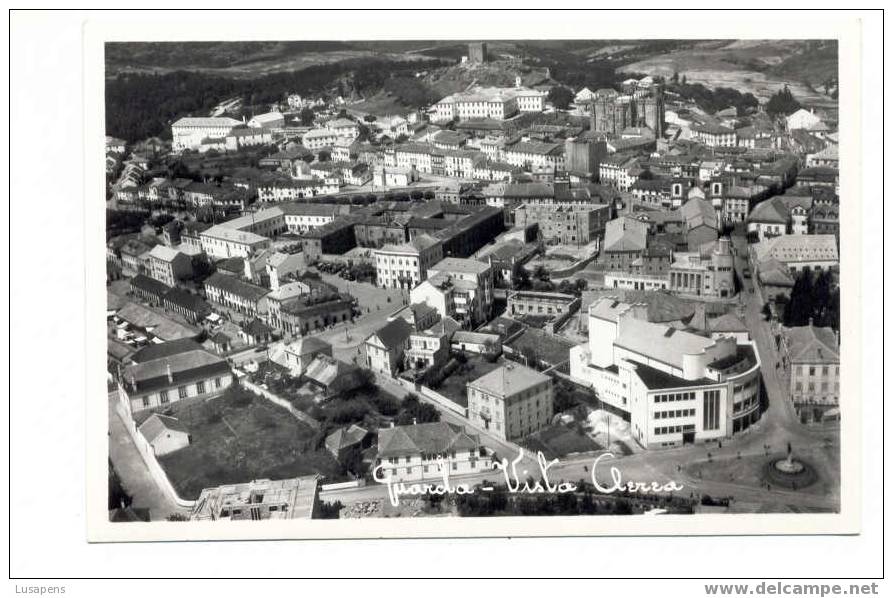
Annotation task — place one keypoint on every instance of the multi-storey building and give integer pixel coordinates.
(528, 154)
(406, 265)
(190, 132)
(297, 189)
(301, 217)
(498, 103)
(799, 252)
(169, 265)
(780, 215)
(386, 347)
(511, 402)
(713, 135)
(245, 235)
(814, 359)
(707, 272)
(170, 372)
(429, 451)
(259, 500)
(458, 288)
(236, 294)
(675, 387)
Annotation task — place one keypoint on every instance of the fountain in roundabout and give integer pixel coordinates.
(790, 472)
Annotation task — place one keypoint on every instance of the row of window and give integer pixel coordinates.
(673, 429)
(674, 413)
(802, 369)
(676, 396)
(811, 386)
(182, 392)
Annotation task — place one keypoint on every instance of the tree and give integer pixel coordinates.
(560, 96)
(782, 103)
(413, 411)
(330, 510)
(675, 78)
(307, 117)
(324, 156)
(370, 118)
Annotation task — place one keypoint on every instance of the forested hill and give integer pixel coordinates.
(142, 105)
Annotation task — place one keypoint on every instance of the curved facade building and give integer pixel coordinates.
(674, 386)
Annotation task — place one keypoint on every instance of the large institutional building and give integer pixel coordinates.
(190, 132)
(676, 387)
(498, 103)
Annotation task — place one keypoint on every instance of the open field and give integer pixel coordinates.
(239, 437)
(760, 67)
(240, 59)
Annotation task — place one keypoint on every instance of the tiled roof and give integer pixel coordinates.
(811, 344)
(158, 424)
(308, 344)
(184, 367)
(190, 121)
(345, 437)
(435, 438)
(236, 286)
(798, 248)
(509, 380)
(394, 333)
(157, 351)
(150, 285)
(625, 234)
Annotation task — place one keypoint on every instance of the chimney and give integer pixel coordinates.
(170, 374)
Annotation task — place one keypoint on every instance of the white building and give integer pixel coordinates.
(799, 252)
(676, 387)
(498, 103)
(511, 401)
(189, 132)
(270, 120)
(243, 236)
(458, 288)
(406, 265)
(428, 452)
(803, 119)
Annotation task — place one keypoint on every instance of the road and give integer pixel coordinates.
(132, 471)
(777, 427)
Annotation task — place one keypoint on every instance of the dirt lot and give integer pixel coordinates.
(558, 440)
(453, 387)
(239, 437)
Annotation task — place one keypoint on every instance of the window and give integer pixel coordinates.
(164, 397)
(200, 387)
(182, 392)
(145, 401)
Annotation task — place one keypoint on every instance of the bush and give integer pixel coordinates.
(386, 404)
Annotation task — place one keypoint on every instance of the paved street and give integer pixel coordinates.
(135, 477)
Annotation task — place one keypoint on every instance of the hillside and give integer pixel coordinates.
(760, 67)
(247, 59)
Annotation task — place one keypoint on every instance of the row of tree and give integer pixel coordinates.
(816, 298)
